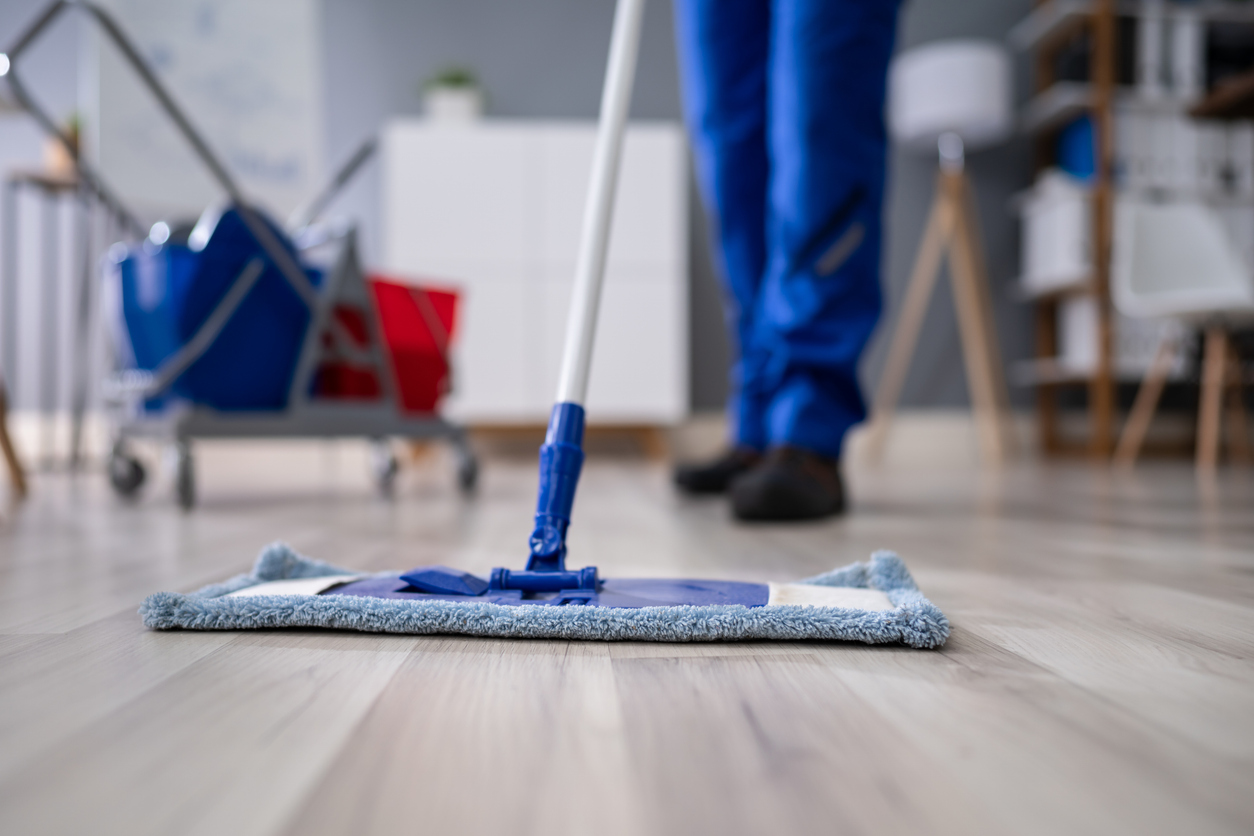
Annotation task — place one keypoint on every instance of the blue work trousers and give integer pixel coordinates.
(785, 106)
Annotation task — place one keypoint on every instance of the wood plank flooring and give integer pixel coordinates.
(1100, 677)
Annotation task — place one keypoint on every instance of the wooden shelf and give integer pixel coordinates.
(1234, 99)
(1047, 371)
(1049, 21)
(1057, 18)
(1057, 105)
(53, 181)
(1080, 287)
(1224, 11)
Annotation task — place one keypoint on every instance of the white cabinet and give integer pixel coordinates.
(495, 208)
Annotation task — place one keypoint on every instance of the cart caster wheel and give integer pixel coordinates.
(126, 474)
(385, 466)
(185, 479)
(468, 474)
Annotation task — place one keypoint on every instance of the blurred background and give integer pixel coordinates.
(483, 114)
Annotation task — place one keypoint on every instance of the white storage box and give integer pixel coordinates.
(1057, 234)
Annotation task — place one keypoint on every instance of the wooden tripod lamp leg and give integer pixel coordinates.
(936, 238)
(1214, 359)
(16, 473)
(970, 225)
(1238, 426)
(1145, 405)
(975, 326)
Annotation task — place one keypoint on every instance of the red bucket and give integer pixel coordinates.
(417, 328)
(342, 380)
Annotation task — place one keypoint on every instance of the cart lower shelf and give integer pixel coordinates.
(311, 420)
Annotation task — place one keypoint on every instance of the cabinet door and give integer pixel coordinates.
(459, 208)
(649, 224)
(496, 209)
(460, 192)
(496, 348)
(640, 357)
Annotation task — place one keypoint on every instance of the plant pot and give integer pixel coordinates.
(453, 104)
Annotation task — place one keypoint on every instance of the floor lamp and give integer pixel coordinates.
(947, 98)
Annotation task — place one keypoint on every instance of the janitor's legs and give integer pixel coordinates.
(820, 297)
(784, 101)
(724, 47)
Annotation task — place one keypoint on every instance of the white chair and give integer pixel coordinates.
(1176, 260)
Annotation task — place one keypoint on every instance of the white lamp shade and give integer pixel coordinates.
(961, 87)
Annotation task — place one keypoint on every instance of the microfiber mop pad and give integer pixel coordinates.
(876, 602)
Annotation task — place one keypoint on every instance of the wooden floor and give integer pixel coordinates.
(1099, 678)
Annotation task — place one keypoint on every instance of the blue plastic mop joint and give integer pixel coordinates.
(561, 459)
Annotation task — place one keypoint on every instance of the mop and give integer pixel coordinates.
(875, 602)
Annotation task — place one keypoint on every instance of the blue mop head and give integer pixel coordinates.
(876, 602)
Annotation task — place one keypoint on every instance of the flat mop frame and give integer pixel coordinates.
(303, 417)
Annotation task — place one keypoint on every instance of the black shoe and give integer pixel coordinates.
(715, 476)
(789, 484)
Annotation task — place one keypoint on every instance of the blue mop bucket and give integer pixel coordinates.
(169, 290)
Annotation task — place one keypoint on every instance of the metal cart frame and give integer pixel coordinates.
(304, 416)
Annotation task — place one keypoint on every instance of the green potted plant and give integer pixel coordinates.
(58, 160)
(453, 95)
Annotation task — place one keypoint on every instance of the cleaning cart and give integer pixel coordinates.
(227, 330)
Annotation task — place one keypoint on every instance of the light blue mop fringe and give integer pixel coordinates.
(915, 621)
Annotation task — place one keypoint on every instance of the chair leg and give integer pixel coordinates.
(978, 342)
(1238, 427)
(16, 473)
(1145, 405)
(1214, 359)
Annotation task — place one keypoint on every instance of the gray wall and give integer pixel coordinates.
(545, 58)
(936, 378)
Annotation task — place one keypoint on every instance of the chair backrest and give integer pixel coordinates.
(1177, 259)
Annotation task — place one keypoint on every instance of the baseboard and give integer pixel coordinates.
(937, 438)
(45, 439)
(925, 438)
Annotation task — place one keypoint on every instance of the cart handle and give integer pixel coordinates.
(309, 212)
(256, 226)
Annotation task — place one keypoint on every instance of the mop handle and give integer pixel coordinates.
(561, 455)
(581, 322)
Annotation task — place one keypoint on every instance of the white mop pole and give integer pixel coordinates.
(581, 322)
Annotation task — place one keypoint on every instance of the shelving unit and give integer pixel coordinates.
(1050, 27)
(1161, 155)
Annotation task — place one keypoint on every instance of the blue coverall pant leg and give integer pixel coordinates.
(784, 101)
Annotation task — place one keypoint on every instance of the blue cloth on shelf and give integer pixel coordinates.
(1076, 149)
(784, 100)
